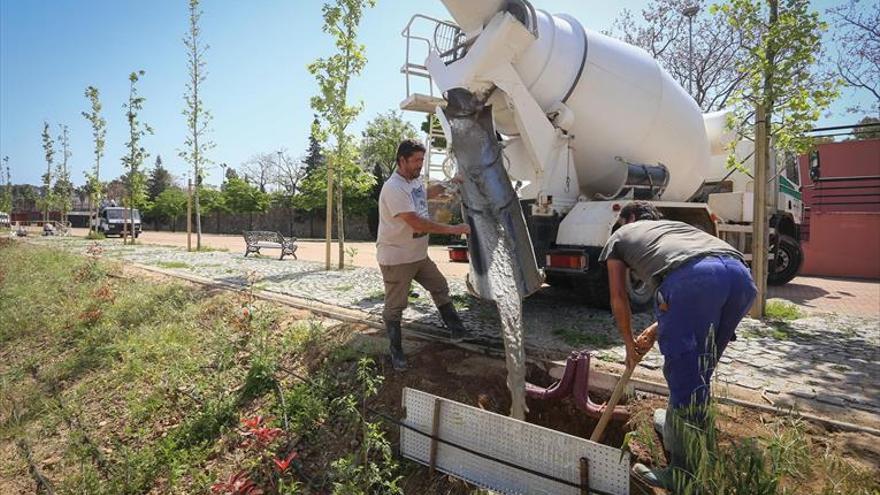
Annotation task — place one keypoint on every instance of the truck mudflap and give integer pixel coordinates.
(489, 204)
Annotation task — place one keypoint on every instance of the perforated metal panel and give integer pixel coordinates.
(531, 446)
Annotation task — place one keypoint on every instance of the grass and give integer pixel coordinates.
(777, 309)
(138, 386)
(208, 249)
(776, 329)
(577, 337)
(777, 456)
(173, 264)
(343, 287)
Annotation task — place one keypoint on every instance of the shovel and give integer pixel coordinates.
(649, 333)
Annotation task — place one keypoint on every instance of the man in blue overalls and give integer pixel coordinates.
(704, 290)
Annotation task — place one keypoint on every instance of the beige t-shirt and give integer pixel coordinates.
(397, 243)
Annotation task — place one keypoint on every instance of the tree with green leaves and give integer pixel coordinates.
(6, 196)
(242, 197)
(63, 188)
(333, 74)
(197, 116)
(134, 178)
(379, 151)
(170, 204)
(356, 185)
(872, 132)
(782, 41)
(380, 139)
(213, 201)
(99, 132)
(159, 180)
(49, 152)
(314, 155)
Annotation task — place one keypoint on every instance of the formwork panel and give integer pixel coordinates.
(523, 444)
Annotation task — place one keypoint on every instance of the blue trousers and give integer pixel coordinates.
(705, 299)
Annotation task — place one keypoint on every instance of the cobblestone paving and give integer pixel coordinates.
(830, 358)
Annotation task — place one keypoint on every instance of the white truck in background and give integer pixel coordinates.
(115, 220)
(588, 123)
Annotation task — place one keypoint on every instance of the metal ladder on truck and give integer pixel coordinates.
(449, 41)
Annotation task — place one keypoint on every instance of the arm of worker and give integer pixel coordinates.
(438, 189)
(645, 340)
(445, 188)
(620, 308)
(420, 224)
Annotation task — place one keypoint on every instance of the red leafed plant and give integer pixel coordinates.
(237, 484)
(282, 465)
(271, 474)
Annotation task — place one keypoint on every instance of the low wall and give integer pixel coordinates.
(302, 225)
(843, 244)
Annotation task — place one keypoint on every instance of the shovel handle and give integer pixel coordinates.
(612, 403)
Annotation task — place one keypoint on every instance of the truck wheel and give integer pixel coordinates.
(641, 293)
(789, 258)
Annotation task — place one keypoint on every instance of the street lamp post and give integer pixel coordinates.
(690, 12)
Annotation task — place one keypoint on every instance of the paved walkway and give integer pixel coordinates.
(830, 358)
(845, 296)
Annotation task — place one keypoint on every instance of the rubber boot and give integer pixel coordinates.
(660, 428)
(660, 422)
(658, 478)
(398, 360)
(449, 315)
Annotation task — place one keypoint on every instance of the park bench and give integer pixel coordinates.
(259, 239)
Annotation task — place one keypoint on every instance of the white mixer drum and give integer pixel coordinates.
(625, 106)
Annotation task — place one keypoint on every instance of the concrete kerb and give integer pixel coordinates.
(422, 331)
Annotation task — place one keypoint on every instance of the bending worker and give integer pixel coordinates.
(402, 247)
(704, 290)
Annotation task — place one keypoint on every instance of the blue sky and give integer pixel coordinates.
(257, 88)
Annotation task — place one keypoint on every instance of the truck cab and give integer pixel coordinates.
(112, 219)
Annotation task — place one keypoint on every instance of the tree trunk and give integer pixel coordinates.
(328, 227)
(340, 226)
(763, 119)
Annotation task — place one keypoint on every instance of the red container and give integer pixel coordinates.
(458, 254)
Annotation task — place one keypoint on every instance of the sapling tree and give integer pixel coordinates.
(197, 116)
(335, 114)
(132, 161)
(49, 152)
(99, 132)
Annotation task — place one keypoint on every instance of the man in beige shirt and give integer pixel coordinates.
(402, 247)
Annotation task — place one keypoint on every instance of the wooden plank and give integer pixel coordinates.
(435, 430)
(585, 476)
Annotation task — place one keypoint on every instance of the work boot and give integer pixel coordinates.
(659, 478)
(398, 360)
(660, 422)
(449, 315)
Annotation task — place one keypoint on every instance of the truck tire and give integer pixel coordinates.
(789, 258)
(641, 293)
(592, 289)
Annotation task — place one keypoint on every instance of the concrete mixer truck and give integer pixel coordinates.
(587, 123)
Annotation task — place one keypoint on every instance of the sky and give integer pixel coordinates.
(257, 87)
